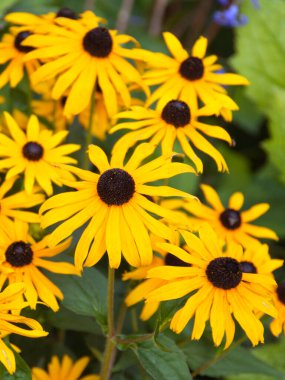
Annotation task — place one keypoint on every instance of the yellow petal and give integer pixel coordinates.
(175, 47)
(200, 47)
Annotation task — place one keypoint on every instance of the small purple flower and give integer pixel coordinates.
(230, 17)
(255, 3)
(223, 3)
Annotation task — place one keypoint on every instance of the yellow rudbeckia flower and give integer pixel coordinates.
(277, 326)
(11, 206)
(12, 53)
(160, 257)
(258, 260)
(82, 55)
(64, 370)
(221, 289)
(230, 223)
(36, 153)
(190, 77)
(41, 23)
(11, 304)
(52, 111)
(101, 122)
(114, 203)
(139, 292)
(173, 120)
(20, 260)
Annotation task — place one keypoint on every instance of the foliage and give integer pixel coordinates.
(146, 350)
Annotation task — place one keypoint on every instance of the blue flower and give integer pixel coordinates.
(230, 17)
(255, 3)
(224, 3)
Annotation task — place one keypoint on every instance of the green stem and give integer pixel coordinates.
(135, 340)
(109, 354)
(29, 96)
(111, 286)
(11, 101)
(217, 358)
(88, 139)
(134, 320)
(121, 318)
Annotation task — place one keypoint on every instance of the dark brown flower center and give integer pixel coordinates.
(63, 100)
(115, 187)
(176, 113)
(230, 219)
(192, 68)
(224, 273)
(98, 42)
(247, 267)
(281, 292)
(175, 261)
(20, 37)
(33, 151)
(67, 13)
(19, 254)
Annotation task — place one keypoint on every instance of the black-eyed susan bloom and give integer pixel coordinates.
(11, 304)
(65, 369)
(37, 22)
(101, 122)
(11, 205)
(230, 223)
(190, 76)
(21, 260)
(35, 153)
(222, 291)
(114, 203)
(52, 111)
(173, 120)
(82, 55)
(277, 326)
(258, 260)
(41, 23)
(12, 53)
(139, 292)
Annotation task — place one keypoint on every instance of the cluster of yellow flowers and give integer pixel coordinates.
(77, 66)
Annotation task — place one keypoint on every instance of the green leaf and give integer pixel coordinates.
(5, 5)
(260, 57)
(167, 364)
(85, 295)
(238, 165)
(68, 320)
(275, 147)
(167, 310)
(222, 363)
(23, 372)
(261, 50)
(248, 117)
(126, 360)
(272, 354)
(35, 6)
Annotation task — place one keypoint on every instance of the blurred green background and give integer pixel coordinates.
(257, 164)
